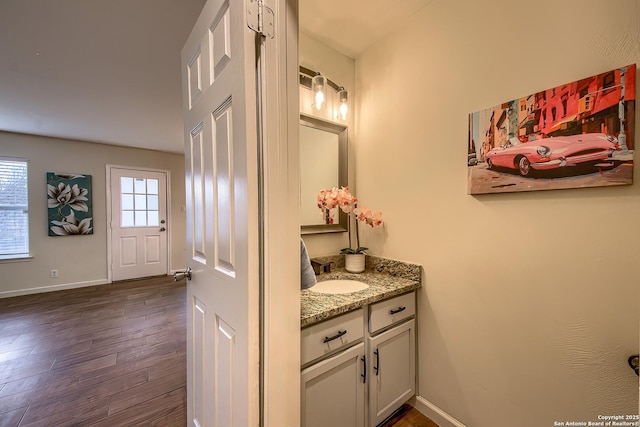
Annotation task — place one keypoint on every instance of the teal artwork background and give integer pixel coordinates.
(69, 204)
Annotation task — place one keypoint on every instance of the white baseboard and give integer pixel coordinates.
(436, 414)
(61, 287)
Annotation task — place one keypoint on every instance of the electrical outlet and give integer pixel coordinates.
(54, 274)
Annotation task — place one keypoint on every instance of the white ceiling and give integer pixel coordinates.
(351, 26)
(108, 71)
(103, 70)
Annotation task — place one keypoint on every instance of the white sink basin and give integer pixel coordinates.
(338, 286)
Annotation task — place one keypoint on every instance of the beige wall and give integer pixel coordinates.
(80, 260)
(529, 308)
(341, 69)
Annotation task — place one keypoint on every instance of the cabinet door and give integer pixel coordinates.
(332, 391)
(392, 370)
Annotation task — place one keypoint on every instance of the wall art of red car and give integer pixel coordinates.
(545, 153)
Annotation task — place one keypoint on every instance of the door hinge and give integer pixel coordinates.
(260, 18)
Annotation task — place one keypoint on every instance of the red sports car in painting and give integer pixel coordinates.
(551, 153)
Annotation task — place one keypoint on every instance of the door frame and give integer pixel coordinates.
(109, 168)
(280, 275)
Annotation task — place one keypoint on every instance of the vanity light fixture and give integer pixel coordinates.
(343, 108)
(319, 89)
(318, 83)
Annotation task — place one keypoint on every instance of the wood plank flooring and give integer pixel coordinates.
(408, 416)
(110, 355)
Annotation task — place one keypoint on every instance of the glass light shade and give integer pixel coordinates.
(343, 96)
(319, 88)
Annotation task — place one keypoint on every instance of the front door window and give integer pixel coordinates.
(139, 206)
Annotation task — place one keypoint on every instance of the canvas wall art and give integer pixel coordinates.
(577, 135)
(69, 204)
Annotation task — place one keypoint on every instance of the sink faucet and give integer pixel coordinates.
(321, 267)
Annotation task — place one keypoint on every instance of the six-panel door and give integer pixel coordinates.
(219, 104)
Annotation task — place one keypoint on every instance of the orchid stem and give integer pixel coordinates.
(349, 217)
(357, 235)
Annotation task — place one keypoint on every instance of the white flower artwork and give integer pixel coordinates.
(69, 204)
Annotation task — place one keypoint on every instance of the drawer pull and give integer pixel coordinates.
(377, 367)
(336, 336)
(398, 310)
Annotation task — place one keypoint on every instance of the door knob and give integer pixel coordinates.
(180, 275)
(163, 229)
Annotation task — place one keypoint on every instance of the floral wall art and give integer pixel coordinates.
(69, 204)
(576, 135)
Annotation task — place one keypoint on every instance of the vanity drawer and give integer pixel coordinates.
(385, 313)
(331, 335)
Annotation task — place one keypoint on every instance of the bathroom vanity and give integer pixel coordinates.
(358, 349)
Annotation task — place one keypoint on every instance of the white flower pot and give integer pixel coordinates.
(354, 263)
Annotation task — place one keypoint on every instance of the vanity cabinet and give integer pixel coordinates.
(391, 355)
(392, 378)
(333, 390)
(325, 338)
(355, 375)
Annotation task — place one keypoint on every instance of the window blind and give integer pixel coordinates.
(14, 205)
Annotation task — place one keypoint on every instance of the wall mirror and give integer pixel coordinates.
(323, 164)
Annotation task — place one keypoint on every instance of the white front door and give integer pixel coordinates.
(219, 103)
(138, 223)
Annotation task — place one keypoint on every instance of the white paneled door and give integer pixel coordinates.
(138, 223)
(219, 103)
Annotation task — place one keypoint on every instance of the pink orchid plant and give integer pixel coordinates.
(330, 198)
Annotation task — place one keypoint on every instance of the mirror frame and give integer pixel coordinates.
(343, 171)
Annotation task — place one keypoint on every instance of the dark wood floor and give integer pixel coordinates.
(111, 355)
(408, 416)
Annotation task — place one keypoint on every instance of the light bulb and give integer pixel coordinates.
(343, 111)
(319, 100)
(344, 107)
(319, 88)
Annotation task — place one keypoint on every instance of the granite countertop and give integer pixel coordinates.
(386, 278)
